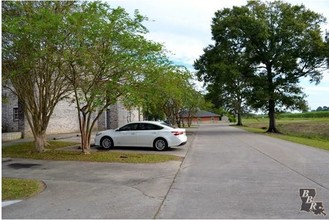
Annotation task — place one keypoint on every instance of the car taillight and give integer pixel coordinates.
(176, 133)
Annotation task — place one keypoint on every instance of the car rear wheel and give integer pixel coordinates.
(160, 144)
(107, 142)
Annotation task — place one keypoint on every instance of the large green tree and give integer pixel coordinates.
(32, 58)
(282, 42)
(223, 68)
(87, 51)
(168, 94)
(193, 102)
(108, 57)
(173, 96)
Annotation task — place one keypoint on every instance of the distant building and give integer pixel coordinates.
(202, 117)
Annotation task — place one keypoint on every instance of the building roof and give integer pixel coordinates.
(201, 114)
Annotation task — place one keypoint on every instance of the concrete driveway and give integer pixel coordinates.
(227, 173)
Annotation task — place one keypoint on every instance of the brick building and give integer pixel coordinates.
(202, 117)
(64, 118)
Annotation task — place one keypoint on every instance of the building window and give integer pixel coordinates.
(15, 114)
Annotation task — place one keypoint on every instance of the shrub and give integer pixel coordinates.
(323, 114)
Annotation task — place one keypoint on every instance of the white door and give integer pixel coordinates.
(126, 135)
(145, 134)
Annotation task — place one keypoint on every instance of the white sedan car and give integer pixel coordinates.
(142, 134)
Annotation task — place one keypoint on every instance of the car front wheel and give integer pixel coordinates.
(160, 144)
(106, 143)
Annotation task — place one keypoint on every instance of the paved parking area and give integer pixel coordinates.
(91, 190)
(94, 190)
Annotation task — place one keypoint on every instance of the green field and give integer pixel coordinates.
(308, 130)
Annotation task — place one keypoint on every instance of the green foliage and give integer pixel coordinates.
(324, 108)
(222, 67)
(97, 53)
(231, 118)
(109, 57)
(32, 63)
(269, 46)
(318, 114)
(166, 93)
(108, 54)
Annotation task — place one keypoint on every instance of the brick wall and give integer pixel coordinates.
(118, 115)
(65, 117)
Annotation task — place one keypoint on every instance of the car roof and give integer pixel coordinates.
(160, 123)
(150, 122)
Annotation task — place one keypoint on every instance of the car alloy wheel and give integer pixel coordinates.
(106, 143)
(160, 144)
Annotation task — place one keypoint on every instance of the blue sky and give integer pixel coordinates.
(183, 26)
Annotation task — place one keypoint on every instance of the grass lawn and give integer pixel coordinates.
(309, 131)
(20, 188)
(27, 150)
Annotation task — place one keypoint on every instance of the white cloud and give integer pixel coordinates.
(183, 26)
(317, 96)
(325, 78)
(316, 90)
(178, 44)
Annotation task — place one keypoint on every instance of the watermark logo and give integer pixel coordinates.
(309, 204)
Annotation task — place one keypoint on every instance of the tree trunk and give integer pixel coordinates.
(271, 115)
(85, 142)
(40, 142)
(239, 119)
(183, 122)
(271, 101)
(84, 130)
(189, 121)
